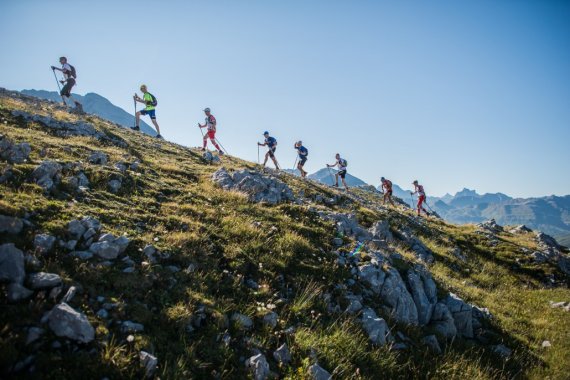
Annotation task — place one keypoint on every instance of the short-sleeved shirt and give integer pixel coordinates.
(66, 68)
(271, 141)
(148, 101)
(387, 184)
(211, 123)
(302, 152)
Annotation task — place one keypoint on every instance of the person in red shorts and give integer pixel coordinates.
(210, 124)
(419, 189)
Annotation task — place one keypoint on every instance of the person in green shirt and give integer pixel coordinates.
(150, 102)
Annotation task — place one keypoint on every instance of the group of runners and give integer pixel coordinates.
(210, 124)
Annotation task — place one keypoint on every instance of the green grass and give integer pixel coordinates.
(171, 199)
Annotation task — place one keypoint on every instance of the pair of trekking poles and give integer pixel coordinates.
(259, 162)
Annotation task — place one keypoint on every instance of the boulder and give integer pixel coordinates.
(442, 321)
(282, 354)
(423, 291)
(258, 186)
(44, 243)
(11, 264)
(400, 303)
(105, 250)
(76, 229)
(64, 321)
(131, 327)
(376, 328)
(421, 251)
(462, 315)
(373, 276)
(258, 366)
(13, 153)
(381, 230)
(11, 225)
(43, 280)
(490, 226)
(347, 225)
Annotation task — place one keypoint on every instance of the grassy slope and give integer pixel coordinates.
(173, 201)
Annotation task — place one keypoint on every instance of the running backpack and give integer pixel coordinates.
(343, 162)
(73, 73)
(154, 102)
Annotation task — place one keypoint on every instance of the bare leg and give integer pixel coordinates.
(336, 179)
(344, 183)
(155, 125)
(266, 158)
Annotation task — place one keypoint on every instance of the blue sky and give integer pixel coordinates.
(455, 94)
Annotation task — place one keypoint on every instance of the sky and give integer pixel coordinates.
(452, 93)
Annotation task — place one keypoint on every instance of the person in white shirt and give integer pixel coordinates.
(341, 164)
(68, 82)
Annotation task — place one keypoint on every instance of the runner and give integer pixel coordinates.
(69, 76)
(150, 109)
(341, 164)
(210, 124)
(271, 143)
(419, 189)
(387, 189)
(303, 153)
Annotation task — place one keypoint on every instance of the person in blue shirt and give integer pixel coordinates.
(303, 153)
(271, 144)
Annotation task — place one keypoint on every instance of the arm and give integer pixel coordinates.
(56, 68)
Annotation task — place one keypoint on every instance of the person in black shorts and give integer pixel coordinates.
(68, 82)
(341, 164)
(271, 143)
(303, 153)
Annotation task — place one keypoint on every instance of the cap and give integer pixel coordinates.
(265, 133)
(207, 109)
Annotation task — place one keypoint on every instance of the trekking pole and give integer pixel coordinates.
(258, 163)
(202, 133)
(58, 86)
(332, 178)
(295, 164)
(135, 119)
(218, 141)
(412, 197)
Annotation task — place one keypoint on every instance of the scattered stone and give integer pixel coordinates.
(347, 225)
(375, 327)
(64, 321)
(11, 264)
(259, 187)
(13, 153)
(490, 226)
(318, 373)
(98, 158)
(114, 186)
(16, 292)
(258, 366)
(131, 327)
(47, 175)
(109, 247)
(69, 294)
(121, 166)
(11, 225)
(43, 280)
(546, 344)
(242, 321)
(282, 354)
(149, 362)
(34, 333)
(149, 251)
(431, 342)
(562, 305)
(44, 243)
(521, 229)
(270, 319)
(502, 351)
(129, 270)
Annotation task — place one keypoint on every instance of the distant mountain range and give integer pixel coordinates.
(326, 176)
(98, 105)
